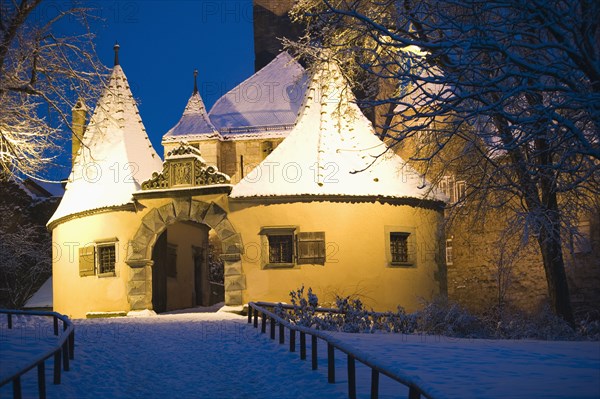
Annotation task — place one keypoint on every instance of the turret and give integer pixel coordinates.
(79, 119)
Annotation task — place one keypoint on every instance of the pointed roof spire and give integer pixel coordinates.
(115, 135)
(195, 81)
(332, 130)
(116, 48)
(194, 123)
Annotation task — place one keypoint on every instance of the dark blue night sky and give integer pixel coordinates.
(162, 42)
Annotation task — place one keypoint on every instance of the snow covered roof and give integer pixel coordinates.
(42, 298)
(194, 123)
(333, 150)
(115, 157)
(268, 101)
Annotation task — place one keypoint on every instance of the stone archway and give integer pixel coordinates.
(139, 253)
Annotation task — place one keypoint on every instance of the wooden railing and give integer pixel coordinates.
(62, 352)
(259, 309)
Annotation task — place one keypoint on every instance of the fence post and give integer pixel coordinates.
(249, 314)
(374, 384)
(72, 345)
(263, 323)
(281, 334)
(9, 315)
(57, 364)
(313, 349)
(17, 387)
(302, 345)
(414, 393)
(272, 328)
(255, 318)
(41, 369)
(331, 364)
(292, 340)
(351, 378)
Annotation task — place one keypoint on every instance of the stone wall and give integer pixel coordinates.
(271, 22)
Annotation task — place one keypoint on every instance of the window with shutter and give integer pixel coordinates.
(311, 248)
(87, 261)
(107, 256)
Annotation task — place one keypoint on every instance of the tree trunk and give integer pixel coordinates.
(550, 244)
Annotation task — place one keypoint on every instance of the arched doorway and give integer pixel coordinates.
(155, 223)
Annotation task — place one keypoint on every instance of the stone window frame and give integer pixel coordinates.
(106, 244)
(411, 238)
(265, 233)
(455, 189)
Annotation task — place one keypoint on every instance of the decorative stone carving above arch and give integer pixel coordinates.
(185, 167)
(139, 253)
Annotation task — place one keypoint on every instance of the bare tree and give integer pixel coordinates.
(42, 74)
(513, 86)
(25, 245)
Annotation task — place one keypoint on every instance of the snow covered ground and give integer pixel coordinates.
(219, 355)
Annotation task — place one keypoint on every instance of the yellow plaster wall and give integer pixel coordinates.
(74, 295)
(356, 252)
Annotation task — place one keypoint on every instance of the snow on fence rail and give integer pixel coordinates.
(256, 308)
(63, 352)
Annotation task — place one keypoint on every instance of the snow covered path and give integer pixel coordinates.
(218, 355)
(215, 355)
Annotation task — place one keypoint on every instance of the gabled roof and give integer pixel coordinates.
(268, 101)
(194, 123)
(333, 151)
(115, 157)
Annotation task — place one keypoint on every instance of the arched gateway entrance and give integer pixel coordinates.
(156, 221)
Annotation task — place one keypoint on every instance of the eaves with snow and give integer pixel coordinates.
(333, 151)
(264, 105)
(115, 157)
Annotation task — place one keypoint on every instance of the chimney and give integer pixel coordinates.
(79, 117)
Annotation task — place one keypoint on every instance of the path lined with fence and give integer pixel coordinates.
(214, 355)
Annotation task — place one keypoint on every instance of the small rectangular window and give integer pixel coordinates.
(449, 254)
(106, 259)
(281, 248)
(399, 247)
(461, 190)
(581, 238)
(446, 185)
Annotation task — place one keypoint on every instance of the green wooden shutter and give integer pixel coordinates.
(86, 261)
(311, 247)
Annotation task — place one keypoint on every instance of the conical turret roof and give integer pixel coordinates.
(194, 123)
(333, 151)
(115, 157)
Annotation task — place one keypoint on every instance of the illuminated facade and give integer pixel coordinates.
(272, 189)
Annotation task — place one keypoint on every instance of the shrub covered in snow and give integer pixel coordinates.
(438, 317)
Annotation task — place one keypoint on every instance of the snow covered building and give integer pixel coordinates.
(284, 175)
